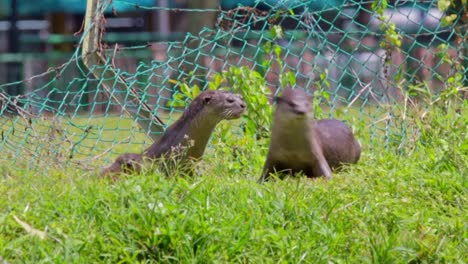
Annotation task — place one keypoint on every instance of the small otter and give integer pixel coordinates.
(315, 147)
(186, 139)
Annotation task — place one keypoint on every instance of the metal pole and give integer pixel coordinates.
(13, 33)
(163, 19)
(13, 68)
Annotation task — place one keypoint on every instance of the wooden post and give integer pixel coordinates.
(114, 85)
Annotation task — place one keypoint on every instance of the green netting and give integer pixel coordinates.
(348, 48)
(69, 6)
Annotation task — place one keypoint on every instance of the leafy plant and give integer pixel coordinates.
(444, 6)
(320, 95)
(252, 86)
(392, 39)
(184, 96)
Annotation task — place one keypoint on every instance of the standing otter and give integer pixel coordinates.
(315, 147)
(186, 139)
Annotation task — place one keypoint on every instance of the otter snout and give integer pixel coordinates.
(233, 100)
(236, 105)
(294, 109)
(242, 105)
(301, 111)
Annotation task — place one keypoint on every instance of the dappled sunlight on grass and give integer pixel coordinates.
(387, 208)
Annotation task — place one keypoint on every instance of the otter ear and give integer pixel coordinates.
(277, 99)
(206, 99)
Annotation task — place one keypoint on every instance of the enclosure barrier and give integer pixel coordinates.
(368, 57)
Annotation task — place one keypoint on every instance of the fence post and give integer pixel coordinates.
(114, 85)
(13, 68)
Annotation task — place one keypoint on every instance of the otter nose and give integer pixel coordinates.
(242, 104)
(300, 112)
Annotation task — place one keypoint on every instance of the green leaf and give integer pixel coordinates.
(443, 5)
(216, 83)
(398, 75)
(323, 76)
(277, 31)
(448, 20)
(277, 49)
(291, 78)
(195, 91)
(267, 47)
(326, 95)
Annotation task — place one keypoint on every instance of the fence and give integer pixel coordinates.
(366, 55)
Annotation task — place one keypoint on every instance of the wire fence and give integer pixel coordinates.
(366, 55)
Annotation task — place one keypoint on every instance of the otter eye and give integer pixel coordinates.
(230, 100)
(293, 105)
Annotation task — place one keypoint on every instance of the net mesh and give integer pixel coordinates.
(365, 55)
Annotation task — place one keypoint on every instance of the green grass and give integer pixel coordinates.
(389, 208)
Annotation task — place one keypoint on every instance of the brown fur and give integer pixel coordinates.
(125, 163)
(299, 144)
(186, 139)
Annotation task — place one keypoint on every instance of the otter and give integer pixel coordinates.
(125, 163)
(299, 144)
(186, 139)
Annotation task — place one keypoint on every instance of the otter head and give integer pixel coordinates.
(219, 105)
(125, 163)
(293, 104)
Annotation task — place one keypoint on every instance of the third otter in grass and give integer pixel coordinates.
(299, 144)
(186, 139)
